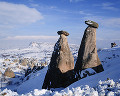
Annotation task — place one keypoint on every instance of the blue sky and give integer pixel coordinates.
(23, 21)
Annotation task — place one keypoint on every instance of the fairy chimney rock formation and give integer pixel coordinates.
(62, 57)
(87, 54)
(65, 60)
(61, 62)
(9, 73)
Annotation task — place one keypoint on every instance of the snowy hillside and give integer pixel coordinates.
(34, 50)
(20, 59)
(101, 84)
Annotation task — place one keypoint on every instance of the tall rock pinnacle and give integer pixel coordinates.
(62, 57)
(87, 54)
(62, 62)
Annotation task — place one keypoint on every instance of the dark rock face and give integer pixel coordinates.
(28, 71)
(113, 44)
(60, 69)
(87, 54)
(34, 69)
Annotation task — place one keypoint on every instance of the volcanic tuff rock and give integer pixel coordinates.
(9, 73)
(0, 73)
(24, 62)
(62, 62)
(87, 54)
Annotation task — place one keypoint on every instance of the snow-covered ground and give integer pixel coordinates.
(101, 84)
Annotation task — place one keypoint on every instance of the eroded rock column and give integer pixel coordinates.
(60, 69)
(87, 54)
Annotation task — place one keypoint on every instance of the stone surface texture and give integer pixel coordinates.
(92, 23)
(87, 55)
(24, 62)
(63, 32)
(62, 62)
(9, 73)
(65, 60)
(0, 73)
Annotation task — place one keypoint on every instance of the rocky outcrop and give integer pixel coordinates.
(24, 62)
(28, 71)
(9, 73)
(113, 44)
(31, 63)
(87, 72)
(33, 70)
(60, 69)
(0, 73)
(87, 55)
(16, 60)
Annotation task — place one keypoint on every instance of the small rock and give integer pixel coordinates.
(3, 94)
(92, 23)
(0, 73)
(7, 60)
(24, 62)
(9, 73)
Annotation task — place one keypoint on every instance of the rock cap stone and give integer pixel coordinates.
(63, 32)
(92, 23)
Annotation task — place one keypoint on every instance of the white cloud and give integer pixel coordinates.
(30, 37)
(107, 6)
(83, 13)
(111, 22)
(15, 14)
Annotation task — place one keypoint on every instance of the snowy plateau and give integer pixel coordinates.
(106, 83)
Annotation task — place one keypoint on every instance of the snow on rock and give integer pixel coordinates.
(103, 88)
(35, 50)
(110, 59)
(7, 92)
(87, 72)
(108, 88)
(40, 92)
(33, 44)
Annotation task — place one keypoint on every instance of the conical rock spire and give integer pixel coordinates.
(87, 54)
(62, 62)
